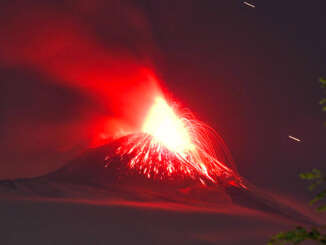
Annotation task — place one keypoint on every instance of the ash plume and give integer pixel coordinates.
(74, 74)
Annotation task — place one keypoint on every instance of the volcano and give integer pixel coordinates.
(104, 170)
(174, 161)
(102, 175)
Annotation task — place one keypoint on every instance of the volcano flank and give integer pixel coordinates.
(101, 175)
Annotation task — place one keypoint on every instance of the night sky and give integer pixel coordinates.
(250, 73)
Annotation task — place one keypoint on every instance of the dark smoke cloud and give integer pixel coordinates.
(73, 72)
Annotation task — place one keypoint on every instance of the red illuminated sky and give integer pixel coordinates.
(75, 72)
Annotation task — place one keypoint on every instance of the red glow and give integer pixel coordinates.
(116, 83)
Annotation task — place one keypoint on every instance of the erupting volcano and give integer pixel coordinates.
(173, 146)
(173, 161)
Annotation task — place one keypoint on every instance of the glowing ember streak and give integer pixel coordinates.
(171, 146)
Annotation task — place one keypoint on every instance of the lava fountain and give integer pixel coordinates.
(174, 145)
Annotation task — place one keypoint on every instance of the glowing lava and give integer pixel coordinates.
(174, 147)
(165, 126)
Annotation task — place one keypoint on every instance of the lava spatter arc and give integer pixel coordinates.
(172, 146)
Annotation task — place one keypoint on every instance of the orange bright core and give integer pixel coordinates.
(164, 125)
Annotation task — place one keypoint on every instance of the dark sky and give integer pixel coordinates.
(250, 73)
